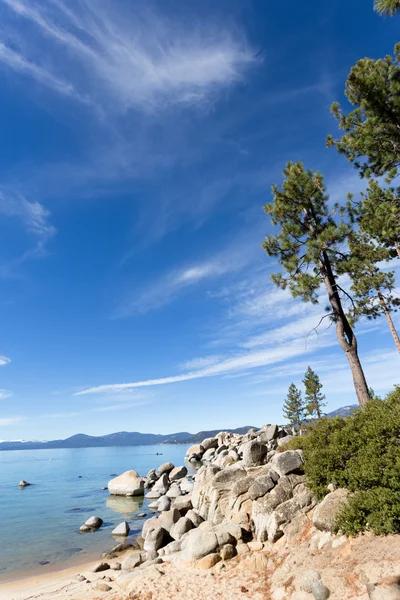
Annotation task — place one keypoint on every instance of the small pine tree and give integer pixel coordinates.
(293, 407)
(314, 399)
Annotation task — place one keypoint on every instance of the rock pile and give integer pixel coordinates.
(244, 490)
(245, 495)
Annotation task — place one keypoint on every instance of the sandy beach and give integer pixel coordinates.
(159, 582)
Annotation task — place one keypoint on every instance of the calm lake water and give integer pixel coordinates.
(40, 523)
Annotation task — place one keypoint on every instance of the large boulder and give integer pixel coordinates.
(178, 473)
(326, 512)
(196, 449)
(268, 433)
(164, 504)
(285, 513)
(212, 493)
(198, 544)
(194, 517)
(254, 453)
(160, 487)
(149, 524)
(154, 539)
(287, 462)
(262, 508)
(174, 491)
(168, 518)
(183, 503)
(208, 455)
(180, 528)
(261, 486)
(209, 443)
(129, 483)
(165, 468)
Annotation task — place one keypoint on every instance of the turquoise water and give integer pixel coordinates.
(40, 523)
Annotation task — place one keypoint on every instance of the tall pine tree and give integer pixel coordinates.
(314, 399)
(371, 138)
(293, 407)
(309, 247)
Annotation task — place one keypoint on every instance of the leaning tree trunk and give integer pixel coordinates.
(389, 320)
(396, 245)
(344, 332)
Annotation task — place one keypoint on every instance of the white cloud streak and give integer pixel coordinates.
(240, 362)
(165, 289)
(5, 394)
(34, 215)
(4, 360)
(133, 59)
(4, 422)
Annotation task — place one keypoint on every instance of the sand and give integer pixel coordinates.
(161, 582)
(346, 566)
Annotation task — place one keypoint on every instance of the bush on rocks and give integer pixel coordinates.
(360, 453)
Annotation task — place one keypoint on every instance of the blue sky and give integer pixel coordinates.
(139, 144)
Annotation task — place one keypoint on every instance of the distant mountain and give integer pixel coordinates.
(344, 411)
(122, 438)
(134, 438)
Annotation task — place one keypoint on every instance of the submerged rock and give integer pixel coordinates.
(23, 483)
(94, 522)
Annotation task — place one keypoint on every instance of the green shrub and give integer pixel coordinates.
(377, 510)
(361, 453)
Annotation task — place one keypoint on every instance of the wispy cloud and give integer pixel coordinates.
(35, 219)
(136, 59)
(5, 394)
(33, 214)
(240, 362)
(133, 401)
(4, 360)
(166, 288)
(21, 65)
(4, 421)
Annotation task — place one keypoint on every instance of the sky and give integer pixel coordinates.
(139, 144)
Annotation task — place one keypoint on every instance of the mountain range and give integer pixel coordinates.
(121, 438)
(134, 438)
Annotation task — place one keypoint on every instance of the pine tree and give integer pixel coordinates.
(293, 407)
(314, 399)
(387, 7)
(309, 247)
(378, 214)
(371, 138)
(372, 288)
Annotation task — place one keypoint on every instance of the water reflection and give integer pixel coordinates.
(123, 505)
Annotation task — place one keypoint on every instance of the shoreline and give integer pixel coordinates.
(41, 582)
(53, 568)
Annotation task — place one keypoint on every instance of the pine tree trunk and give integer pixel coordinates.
(344, 332)
(396, 245)
(389, 320)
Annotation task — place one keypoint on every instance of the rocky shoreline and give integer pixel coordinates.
(247, 501)
(244, 525)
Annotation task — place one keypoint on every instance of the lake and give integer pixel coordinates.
(40, 524)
